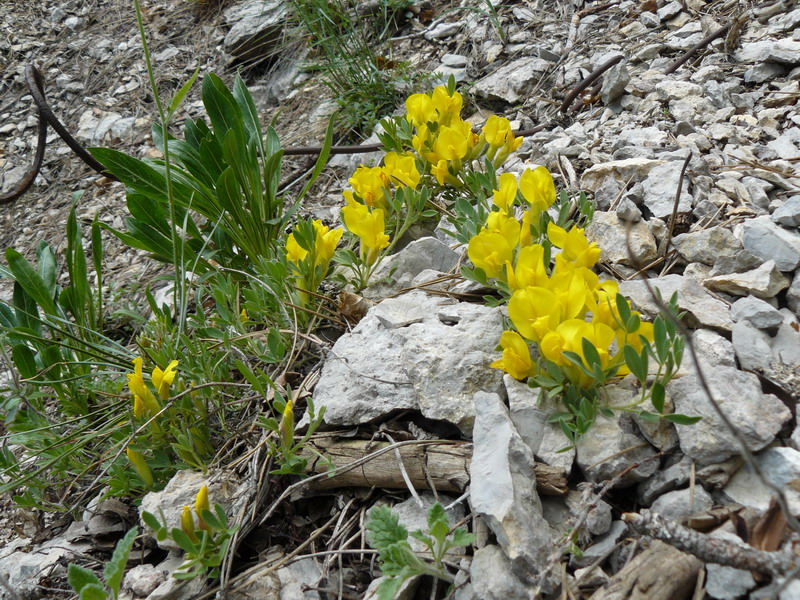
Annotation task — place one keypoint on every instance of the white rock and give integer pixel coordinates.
(757, 416)
(503, 490)
(764, 282)
(512, 81)
(780, 467)
(727, 583)
(763, 238)
(683, 503)
(630, 169)
(615, 237)
(660, 188)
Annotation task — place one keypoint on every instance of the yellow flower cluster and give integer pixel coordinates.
(555, 309)
(145, 403)
(324, 245)
(445, 141)
(369, 202)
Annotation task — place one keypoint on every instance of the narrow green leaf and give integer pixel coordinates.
(623, 308)
(649, 416)
(657, 397)
(93, 592)
(633, 360)
(132, 172)
(180, 538)
(178, 98)
(660, 338)
(151, 520)
(680, 419)
(30, 281)
(48, 269)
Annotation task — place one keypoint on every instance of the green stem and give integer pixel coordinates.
(164, 117)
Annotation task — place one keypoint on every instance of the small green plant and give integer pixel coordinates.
(89, 586)
(204, 536)
(398, 560)
(283, 446)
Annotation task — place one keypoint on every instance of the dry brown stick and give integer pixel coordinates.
(709, 549)
(673, 217)
(587, 82)
(447, 467)
(699, 45)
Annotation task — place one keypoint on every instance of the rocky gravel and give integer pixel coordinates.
(728, 243)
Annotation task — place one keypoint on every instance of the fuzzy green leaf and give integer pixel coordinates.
(79, 577)
(114, 570)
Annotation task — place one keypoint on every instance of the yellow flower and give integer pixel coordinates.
(508, 227)
(139, 388)
(574, 246)
(451, 144)
(525, 237)
(419, 109)
(423, 144)
(538, 188)
(138, 407)
(569, 336)
(139, 464)
(529, 270)
(325, 243)
(516, 359)
(448, 107)
(504, 197)
(489, 251)
(370, 183)
(201, 504)
(440, 171)
(368, 226)
(402, 168)
(286, 426)
(294, 251)
(187, 523)
(497, 130)
(534, 311)
(163, 379)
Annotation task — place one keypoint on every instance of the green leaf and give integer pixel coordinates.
(623, 308)
(79, 577)
(151, 520)
(680, 419)
(222, 108)
(180, 538)
(634, 362)
(30, 281)
(461, 537)
(649, 416)
(249, 112)
(576, 359)
(132, 172)
(660, 338)
(178, 98)
(384, 528)
(114, 570)
(24, 361)
(632, 324)
(657, 397)
(48, 270)
(389, 587)
(93, 592)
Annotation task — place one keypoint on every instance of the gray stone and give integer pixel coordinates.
(503, 488)
(763, 238)
(513, 81)
(660, 188)
(398, 271)
(434, 366)
(670, 10)
(764, 282)
(613, 236)
(788, 214)
(762, 72)
(760, 314)
(444, 30)
(713, 348)
(718, 475)
(93, 128)
(665, 480)
(757, 188)
(784, 51)
(493, 578)
(752, 346)
(786, 343)
(703, 309)
(600, 451)
(757, 416)
(785, 146)
(598, 519)
(629, 169)
(793, 295)
(256, 28)
(780, 467)
(142, 580)
(707, 246)
(546, 440)
(628, 211)
(23, 568)
(614, 82)
(677, 90)
(296, 577)
(683, 503)
(727, 583)
(602, 546)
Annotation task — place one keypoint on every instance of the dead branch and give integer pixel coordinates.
(708, 549)
(444, 466)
